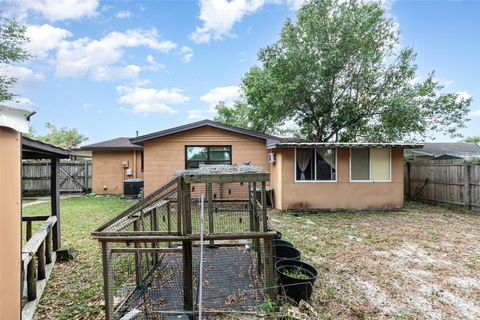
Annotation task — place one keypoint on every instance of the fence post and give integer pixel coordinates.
(107, 280)
(210, 210)
(41, 261)
(55, 201)
(467, 186)
(138, 256)
(187, 249)
(409, 180)
(31, 281)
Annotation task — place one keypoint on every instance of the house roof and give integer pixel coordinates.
(458, 149)
(203, 123)
(122, 143)
(34, 149)
(341, 145)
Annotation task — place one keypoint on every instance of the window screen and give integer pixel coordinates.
(360, 164)
(380, 159)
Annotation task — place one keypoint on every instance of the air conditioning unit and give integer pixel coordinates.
(132, 188)
(272, 157)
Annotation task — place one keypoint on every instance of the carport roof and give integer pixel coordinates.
(343, 145)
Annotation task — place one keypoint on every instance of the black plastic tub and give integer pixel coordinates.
(279, 242)
(285, 252)
(295, 288)
(277, 236)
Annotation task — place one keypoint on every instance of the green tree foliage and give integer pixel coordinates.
(12, 41)
(472, 139)
(62, 137)
(339, 74)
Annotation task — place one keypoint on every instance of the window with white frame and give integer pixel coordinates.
(370, 164)
(315, 164)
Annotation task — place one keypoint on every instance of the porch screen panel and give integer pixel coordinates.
(360, 164)
(380, 159)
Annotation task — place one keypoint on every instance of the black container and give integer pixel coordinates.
(296, 289)
(132, 188)
(277, 236)
(279, 242)
(285, 252)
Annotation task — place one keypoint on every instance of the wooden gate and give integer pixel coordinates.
(75, 177)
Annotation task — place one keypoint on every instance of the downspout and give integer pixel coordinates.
(134, 164)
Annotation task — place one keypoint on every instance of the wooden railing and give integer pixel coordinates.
(37, 270)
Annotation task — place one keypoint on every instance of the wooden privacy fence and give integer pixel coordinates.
(75, 176)
(446, 181)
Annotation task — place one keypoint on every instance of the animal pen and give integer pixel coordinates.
(152, 251)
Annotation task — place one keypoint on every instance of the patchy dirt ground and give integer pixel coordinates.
(422, 262)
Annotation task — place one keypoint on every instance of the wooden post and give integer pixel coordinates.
(264, 206)
(154, 226)
(250, 206)
(29, 230)
(269, 279)
(187, 250)
(107, 280)
(41, 261)
(169, 218)
(31, 281)
(138, 256)
(179, 207)
(48, 247)
(211, 227)
(85, 176)
(409, 180)
(55, 201)
(467, 185)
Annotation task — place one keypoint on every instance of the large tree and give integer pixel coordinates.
(339, 74)
(12, 42)
(61, 137)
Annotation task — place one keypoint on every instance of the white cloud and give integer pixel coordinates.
(219, 16)
(153, 64)
(25, 77)
(147, 100)
(123, 14)
(226, 94)
(463, 95)
(97, 58)
(55, 10)
(475, 113)
(296, 4)
(44, 38)
(186, 53)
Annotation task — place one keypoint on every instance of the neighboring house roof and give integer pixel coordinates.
(34, 149)
(204, 123)
(454, 149)
(342, 145)
(122, 143)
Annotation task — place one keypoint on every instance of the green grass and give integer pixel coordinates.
(74, 290)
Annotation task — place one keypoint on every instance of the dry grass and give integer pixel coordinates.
(422, 262)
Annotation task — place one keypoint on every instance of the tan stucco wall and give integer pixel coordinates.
(342, 194)
(166, 155)
(107, 170)
(10, 223)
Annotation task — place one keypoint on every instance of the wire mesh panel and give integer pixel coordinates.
(151, 252)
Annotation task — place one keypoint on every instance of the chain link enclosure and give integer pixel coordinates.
(151, 251)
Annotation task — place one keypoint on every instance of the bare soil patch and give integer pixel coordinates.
(422, 262)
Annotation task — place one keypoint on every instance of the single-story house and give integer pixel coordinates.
(304, 175)
(114, 161)
(444, 151)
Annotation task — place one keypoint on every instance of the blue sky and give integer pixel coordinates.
(110, 68)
